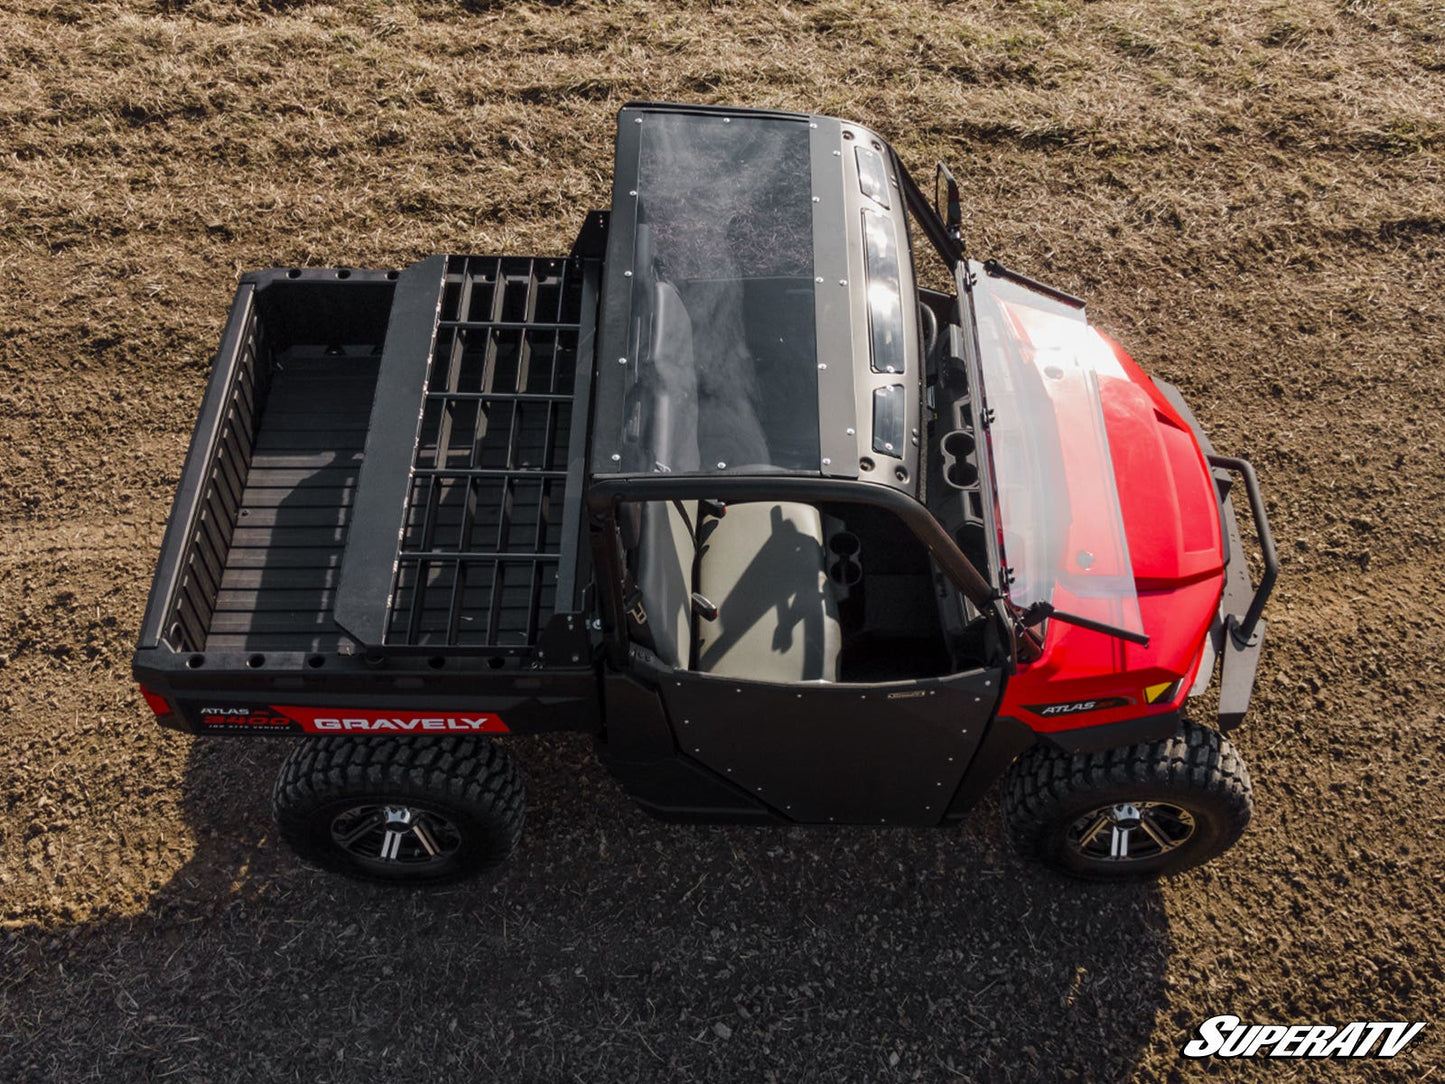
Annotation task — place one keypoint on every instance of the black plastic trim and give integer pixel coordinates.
(1003, 742)
(186, 505)
(1094, 739)
(571, 574)
(363, 593)
(711, 110)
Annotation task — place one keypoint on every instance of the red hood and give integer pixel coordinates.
(1166, 494)
(1171, 520)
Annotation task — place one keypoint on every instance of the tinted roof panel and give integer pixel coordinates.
(721, 370)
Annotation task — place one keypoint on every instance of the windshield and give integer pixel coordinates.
(1060, 521)
(721, 369)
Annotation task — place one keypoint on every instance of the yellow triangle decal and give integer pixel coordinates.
(1154, 692)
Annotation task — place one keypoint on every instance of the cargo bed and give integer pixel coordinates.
(386, 464)
(278, 581)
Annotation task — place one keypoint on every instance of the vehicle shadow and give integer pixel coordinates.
(610, 948)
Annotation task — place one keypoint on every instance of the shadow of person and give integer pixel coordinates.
(783, 581)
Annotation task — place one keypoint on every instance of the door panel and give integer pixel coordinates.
(833, 753)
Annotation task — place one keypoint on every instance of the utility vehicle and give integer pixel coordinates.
(797, 537)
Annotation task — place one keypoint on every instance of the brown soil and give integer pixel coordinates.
(1250, 195)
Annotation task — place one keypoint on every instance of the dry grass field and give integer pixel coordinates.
(1250, 193)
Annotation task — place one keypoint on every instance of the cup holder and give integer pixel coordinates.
(961, 474)
(958, 469)
(958, 444)
(845, 571)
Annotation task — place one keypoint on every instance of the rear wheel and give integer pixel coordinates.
(1142, 811)
(414, 810)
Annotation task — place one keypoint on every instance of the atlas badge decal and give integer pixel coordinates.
(241, 717)
(1079, 707)
(349, 720)
(1230, 1037)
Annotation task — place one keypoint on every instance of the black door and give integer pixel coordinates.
(836, 753)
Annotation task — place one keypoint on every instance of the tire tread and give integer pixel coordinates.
(467, 771)
(1194, 759)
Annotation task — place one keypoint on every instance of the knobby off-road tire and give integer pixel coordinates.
(422, 810)
(1168, 805)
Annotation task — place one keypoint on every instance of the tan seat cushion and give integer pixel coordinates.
(763, 566)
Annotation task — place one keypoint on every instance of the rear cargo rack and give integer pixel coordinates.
(470, 489)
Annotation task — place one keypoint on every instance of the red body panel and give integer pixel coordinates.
(1171, 520)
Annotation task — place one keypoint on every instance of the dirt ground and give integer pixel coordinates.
(1249, 194)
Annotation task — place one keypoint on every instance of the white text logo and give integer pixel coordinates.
(1229, 1037)
(450, 722)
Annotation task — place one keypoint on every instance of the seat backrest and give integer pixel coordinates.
(764, 567)
(673, 409)
(666, 554)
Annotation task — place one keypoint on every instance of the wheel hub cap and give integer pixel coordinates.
(395, 834)
(1130, 831)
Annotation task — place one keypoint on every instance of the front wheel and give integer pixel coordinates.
(1146, 810)
(415, 810)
